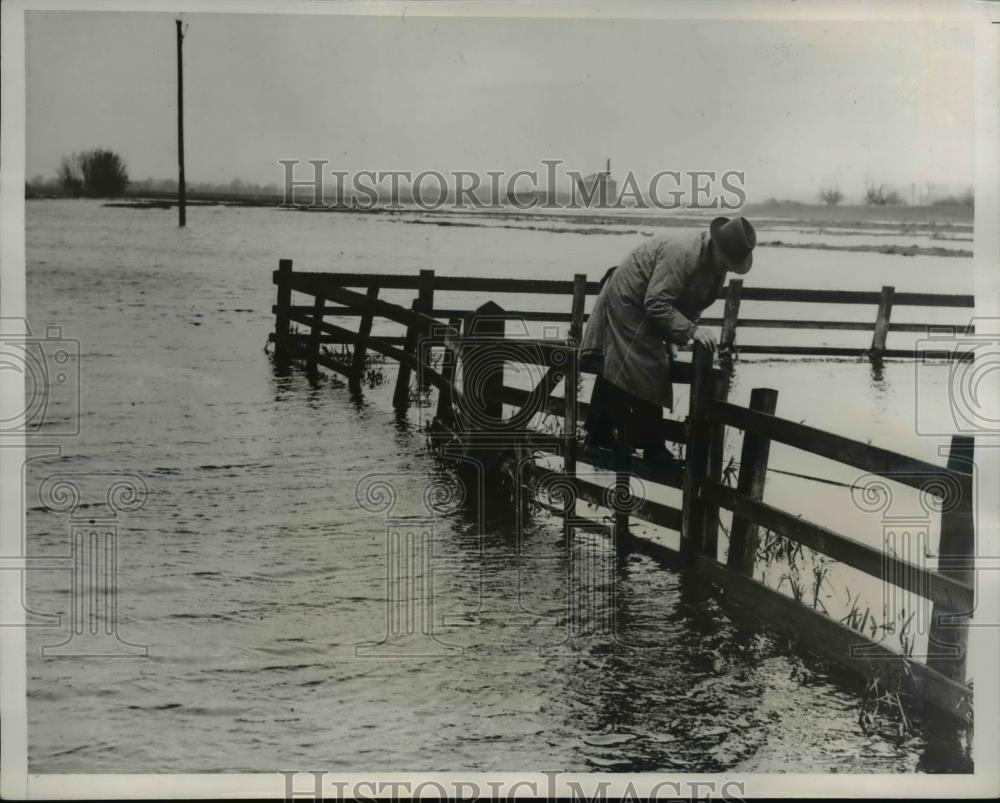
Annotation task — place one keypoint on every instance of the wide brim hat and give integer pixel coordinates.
(735, 238)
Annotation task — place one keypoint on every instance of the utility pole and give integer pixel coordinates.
(181, 200)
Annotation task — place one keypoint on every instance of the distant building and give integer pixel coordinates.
(597, 189)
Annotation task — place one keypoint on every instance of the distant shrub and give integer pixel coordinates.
(880, 195)
(831, 196)
(95, 173)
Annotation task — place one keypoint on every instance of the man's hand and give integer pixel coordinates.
(706, 337)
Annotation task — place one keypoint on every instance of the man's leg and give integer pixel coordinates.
(647, 419)
(600, 419)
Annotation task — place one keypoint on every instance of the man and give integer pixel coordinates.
(647, 306)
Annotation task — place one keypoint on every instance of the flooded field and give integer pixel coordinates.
(253, 574)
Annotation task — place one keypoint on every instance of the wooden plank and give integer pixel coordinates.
(570, 422)
(338, 334)
(524, 350)
(564, 287)
(571, 386)
(657, 513)
(411, 345)
(693, 510)
(622, 493)
(604, 459)
(909, 471)
(882, 321)
(673, 430)
(836, 351)
(282, 278)
(401, 392)
(716, 448)
(855, 297)
(934, 300)
(875, 562)
(845, 326)
(748, 323)
(345, 338)
(449, 364)
(483, 365)
(545, 357)
(379, 345)
(514, 315)
(744, 536)
(744, 596)
(305, 339)
(361, 344)
(731, 314)
(381, 309)
(334, 364)
(314, 333)
(948, 641)
(576, 315)
(425, 303)
(476, 284)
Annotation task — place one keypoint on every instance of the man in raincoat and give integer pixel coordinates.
(649, 305)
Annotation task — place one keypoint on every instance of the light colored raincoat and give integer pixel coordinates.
(654, 297)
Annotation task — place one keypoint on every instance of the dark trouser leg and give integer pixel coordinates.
(647, 432)
(600, 418)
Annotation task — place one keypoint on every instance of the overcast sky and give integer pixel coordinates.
(795, 105)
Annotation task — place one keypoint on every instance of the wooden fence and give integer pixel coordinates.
(472, 411)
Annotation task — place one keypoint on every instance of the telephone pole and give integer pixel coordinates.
(181, 200)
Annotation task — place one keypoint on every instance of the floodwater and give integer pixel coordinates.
(255, 571)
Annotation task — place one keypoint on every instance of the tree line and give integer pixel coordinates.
(878, 194)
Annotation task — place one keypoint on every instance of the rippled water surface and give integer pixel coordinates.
(252, 573)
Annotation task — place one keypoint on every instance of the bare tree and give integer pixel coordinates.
(70, 176)
(831, 196)
(880, 195)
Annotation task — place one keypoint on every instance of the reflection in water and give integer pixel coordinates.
(878, 374)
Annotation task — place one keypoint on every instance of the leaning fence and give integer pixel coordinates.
(476, 409)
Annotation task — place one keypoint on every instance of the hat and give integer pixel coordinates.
(735, 238)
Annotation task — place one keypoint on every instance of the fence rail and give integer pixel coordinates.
(565, 287)
(733, 296)
(472, 411)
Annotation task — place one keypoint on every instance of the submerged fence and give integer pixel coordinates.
(473, 348)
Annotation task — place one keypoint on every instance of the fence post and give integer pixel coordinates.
(692, 508)
(401, 393)
(716, 453)
(425, 298)
(572, 383)
(314, 333)
(622, 492)
(576, 311)
(282, 278)
(882, 321)
(572, 376)
(483, 365)
(731, 315)
(947, 644)
(745, 535)
(361, 346)
(445, 410)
